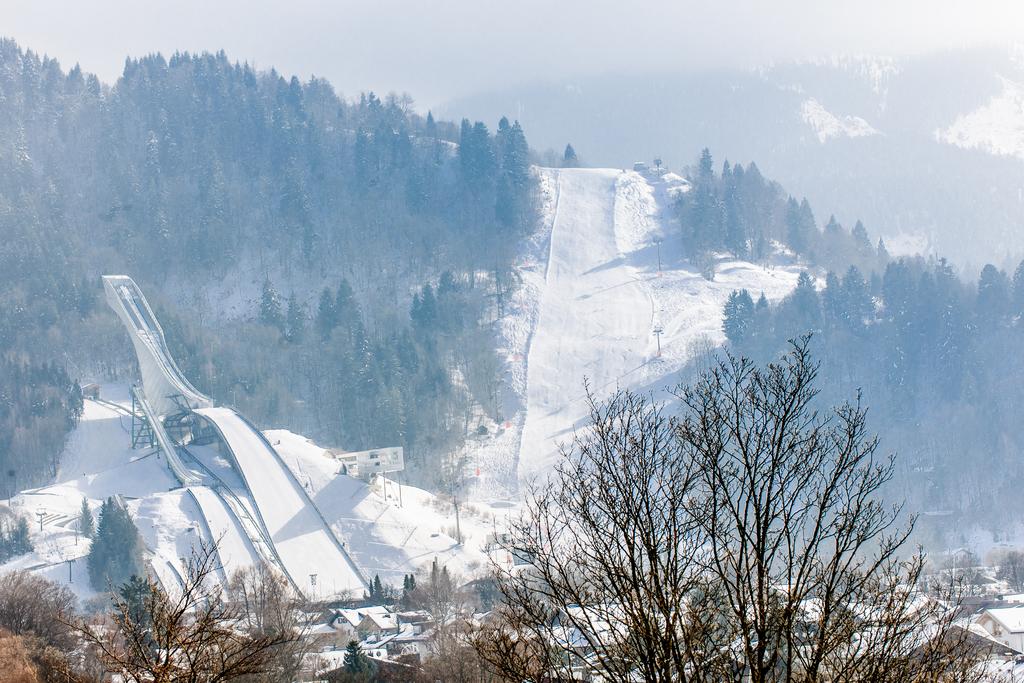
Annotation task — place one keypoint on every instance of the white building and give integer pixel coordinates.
(1005, 624)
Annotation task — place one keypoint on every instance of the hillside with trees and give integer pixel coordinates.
(936, 358)
(384, 239)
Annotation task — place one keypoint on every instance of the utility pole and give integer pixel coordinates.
(71, 579)
(40, 513)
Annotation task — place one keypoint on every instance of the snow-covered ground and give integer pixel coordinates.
(390, 536)
(591, 297)
(390, 528)
(827, 125)
(996, 127)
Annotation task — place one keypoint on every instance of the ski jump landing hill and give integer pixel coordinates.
(266, 515)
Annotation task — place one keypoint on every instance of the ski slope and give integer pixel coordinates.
(303, 540)
(595, 319)
(614, 272)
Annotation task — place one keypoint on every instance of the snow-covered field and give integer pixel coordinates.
(591, 298)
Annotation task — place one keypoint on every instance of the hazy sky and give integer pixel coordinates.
(436, 49)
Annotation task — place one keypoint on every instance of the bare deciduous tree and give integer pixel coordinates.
(1011, 569)
(268, 607)
(35, 612)
(743, 539)
(193, 635)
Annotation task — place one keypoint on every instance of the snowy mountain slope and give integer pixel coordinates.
(827, 125)
(595, 318)
(98, 462)
(996, 127)
(391, 529)
(590, 311)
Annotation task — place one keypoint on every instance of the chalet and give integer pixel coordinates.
(365, 623)
(1005, 624)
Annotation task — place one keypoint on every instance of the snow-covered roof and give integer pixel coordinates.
(351, 617)
(321, 630)
(383, 620)
(1011, 618)
(416, 616)
(379, 615)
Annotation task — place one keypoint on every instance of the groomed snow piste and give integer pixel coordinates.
(593, 296)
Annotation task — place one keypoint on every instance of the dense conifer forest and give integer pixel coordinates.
(192, 167)
(936, 356)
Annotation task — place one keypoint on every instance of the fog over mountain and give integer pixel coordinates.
(442, 50)
(925, 150)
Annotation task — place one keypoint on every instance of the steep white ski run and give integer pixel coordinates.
(594, 321)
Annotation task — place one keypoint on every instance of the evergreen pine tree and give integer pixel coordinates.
(86, 523)
(270, 307)
(295, 321)
(326, 315)
(408, 588)
(424, 310)
(800, 225)
(738, 316)
(861, 240)
(20, 542)
(377, 590)
(705, 167)
(135, 592)
(569, 158)
(803, 307)
(735, 231)
(355, 661)
(833, 302)
(116, 551)
(857, 299)
(702, 214)
(993, 295)
(762, 302)
(883, 253)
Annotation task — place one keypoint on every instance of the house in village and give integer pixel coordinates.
(365, 623)
(1005, 625)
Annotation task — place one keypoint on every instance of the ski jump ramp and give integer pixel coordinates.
(303, 542)
(162, 381)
